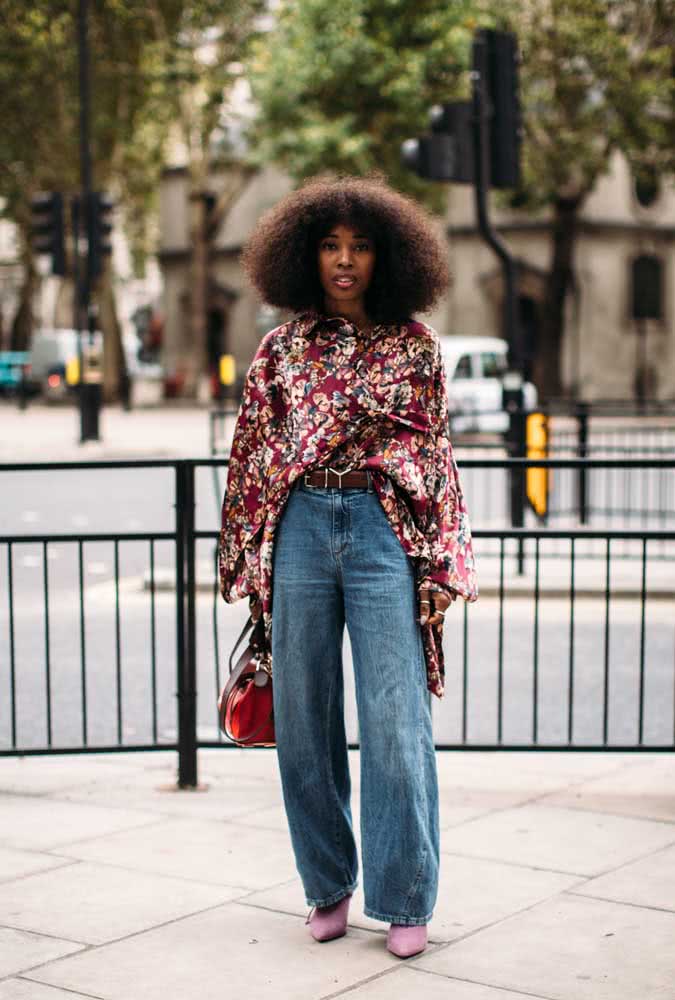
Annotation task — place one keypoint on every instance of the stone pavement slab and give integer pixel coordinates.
(647, 882)
(26, 989)
(67, 902)
(40, 775)
(232, 951)
(563, 840)
(217, 800)
(556, 883)
(415, 982)
(24, 821)
(15, 864)
(21, 950)
(51, 433)
(210, 852)
(569, 948)
(639, 789)
(472, 893)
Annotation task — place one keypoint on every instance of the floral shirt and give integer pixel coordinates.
(321, 393)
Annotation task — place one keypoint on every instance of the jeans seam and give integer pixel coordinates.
(417, 880)
(329, 757)
(418, 877)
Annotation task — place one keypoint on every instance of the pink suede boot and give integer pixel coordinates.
(404, 940)
(328, 922)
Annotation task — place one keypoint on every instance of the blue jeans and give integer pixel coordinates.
(337, 560)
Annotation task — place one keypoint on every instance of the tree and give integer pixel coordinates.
(152, 65)
(341, 86)
(596, 76)
(39, 141)
(204, 45)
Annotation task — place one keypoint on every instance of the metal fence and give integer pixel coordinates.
(616, 494)
(571, 645)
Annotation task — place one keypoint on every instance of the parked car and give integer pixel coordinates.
(50, 352)
(474, 368)
(13, 368)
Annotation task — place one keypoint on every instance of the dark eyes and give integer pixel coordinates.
(330, 245)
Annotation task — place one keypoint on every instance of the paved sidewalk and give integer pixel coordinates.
(557, 883)
(43, 433)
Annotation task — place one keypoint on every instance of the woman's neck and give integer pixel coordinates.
(354, 312)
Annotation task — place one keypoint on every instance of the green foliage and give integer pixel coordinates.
(146, 66)
(596, 76)
(341, 86)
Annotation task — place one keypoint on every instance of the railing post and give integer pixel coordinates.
(518, 449)
(582, 409)
(186, 645)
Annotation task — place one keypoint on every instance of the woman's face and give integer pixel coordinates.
(346, 264)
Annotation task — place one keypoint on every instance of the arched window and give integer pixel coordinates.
(647, 287)
(647, 186)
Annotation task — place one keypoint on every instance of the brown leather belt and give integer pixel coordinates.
(327, 477)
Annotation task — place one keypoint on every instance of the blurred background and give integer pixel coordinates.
(201, 115)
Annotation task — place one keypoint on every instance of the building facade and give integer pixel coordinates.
(620, 320)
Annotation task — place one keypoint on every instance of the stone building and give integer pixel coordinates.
(624, 264)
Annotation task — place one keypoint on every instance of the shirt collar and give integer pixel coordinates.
(311, 318)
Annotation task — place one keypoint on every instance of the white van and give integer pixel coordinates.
(474, 367)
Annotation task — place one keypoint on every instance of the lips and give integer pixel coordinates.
(344, 281)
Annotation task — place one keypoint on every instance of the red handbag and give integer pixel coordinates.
(245, 706)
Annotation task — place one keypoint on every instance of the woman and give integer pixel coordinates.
(343, 506)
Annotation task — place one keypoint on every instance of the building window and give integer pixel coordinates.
(647, 186)
(647, 287)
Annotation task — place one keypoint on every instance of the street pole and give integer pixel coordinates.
(510, 324)
(481, 186)
(89, 389)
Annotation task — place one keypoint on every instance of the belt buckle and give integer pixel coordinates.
(338, 474)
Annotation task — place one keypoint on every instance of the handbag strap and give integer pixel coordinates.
(243, 632)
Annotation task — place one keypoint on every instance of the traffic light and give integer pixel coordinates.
(98, 207)
(447, 153)
(430, 156)
(47, 233)
(504, 122)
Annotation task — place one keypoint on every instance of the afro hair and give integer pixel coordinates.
(411, 271)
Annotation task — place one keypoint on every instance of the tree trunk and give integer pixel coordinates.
(22, 324)
(547, 375)
(115, 379)
(195, 355)
(207, 213)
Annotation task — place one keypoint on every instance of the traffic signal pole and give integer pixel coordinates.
(482, 169)
(477, 143)
(89, 388)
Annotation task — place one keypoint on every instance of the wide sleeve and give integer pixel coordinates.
(447, 527)
(243, 508)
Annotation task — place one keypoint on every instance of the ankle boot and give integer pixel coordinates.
(328, 922)
(405, 940)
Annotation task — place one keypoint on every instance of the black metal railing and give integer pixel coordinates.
(571, 645)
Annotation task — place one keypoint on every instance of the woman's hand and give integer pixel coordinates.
(432, 604)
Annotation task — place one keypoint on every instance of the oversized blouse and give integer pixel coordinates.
(320, 392)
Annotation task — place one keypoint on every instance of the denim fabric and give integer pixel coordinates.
(337, 561)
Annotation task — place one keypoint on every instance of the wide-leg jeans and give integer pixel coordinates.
(338, 561)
